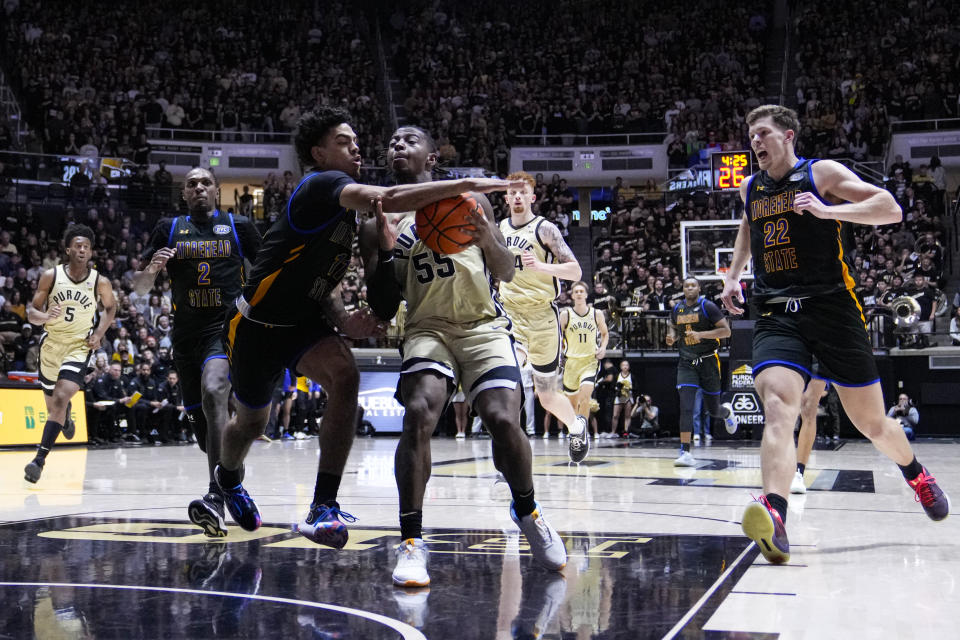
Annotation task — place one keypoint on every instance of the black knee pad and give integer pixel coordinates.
(198, 424)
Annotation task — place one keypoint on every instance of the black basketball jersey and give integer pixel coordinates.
(305, 253)
(702, 315)
(206, 272)
(795, 255)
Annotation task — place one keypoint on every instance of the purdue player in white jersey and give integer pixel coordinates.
(585, 339)
(66, 304)
(541, 258)
(455, 331)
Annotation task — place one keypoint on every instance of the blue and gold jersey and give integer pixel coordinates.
(206, 271)
(795, 255)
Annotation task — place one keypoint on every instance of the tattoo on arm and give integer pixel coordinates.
(555, 242)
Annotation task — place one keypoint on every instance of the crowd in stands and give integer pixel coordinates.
(858, 67)
(94, 82)
(622, 68)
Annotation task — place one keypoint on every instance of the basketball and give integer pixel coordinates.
(440, 225)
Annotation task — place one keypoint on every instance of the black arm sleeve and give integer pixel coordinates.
(383, 290)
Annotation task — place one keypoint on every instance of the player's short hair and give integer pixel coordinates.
(580, 283)
(526, 177)
(694, 278)
(783, 117)
(75, 230)
(313, 126)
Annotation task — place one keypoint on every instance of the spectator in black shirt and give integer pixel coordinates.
(145, 410)
(113, 387)
(171, 409)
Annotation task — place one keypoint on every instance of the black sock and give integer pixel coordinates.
(912, 470)
(684, 446)
(50, 432)
(411, 524)
(523, 504)
(41, 455)
(229, 478)
(779, 503)
(214, 488)
(325, 491)
(801, 467)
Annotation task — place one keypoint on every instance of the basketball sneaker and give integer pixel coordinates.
(411, 569)
(325, 525)
(761, 523)
(929, 494)
(579, 443)
(69, 428)
(545, 543)
(31, 472)
(686, 459)
(797, 485)
(240, 505)
(730, 420)
(207, 513)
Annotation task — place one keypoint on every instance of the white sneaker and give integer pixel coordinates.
(797, 485)
(546, 435)
(461, 436)
(696, 438)
(411, 569)
(545, 543)
(708, 438)
(730, 421)
(686, 459)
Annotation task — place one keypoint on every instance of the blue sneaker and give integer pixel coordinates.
(761, 523)
(240, 505)
(323, 525)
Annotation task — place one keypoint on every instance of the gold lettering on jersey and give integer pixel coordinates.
(762, 207)
(206, 298)
(688, 318)
(74, 296)
(204, 249)
(342, 235)
(319, 289)
(780, 260)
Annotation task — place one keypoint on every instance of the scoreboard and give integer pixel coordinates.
(729, 168)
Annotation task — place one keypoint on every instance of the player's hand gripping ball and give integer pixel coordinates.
(440, 225)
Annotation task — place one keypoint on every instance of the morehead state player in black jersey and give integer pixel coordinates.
(807, 308)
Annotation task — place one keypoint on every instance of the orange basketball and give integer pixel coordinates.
(440, 225)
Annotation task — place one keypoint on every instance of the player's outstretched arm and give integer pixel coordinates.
(566, 266)
(861, 202)
(410, 197)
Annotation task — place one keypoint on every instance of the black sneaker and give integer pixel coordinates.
(929, 494)
(69, 428)
(207, 513)
(240, 505)
(31, 472)
(579, 444)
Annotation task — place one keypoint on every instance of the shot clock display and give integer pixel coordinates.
(730, 168)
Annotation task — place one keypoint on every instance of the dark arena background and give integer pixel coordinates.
(631, 118)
